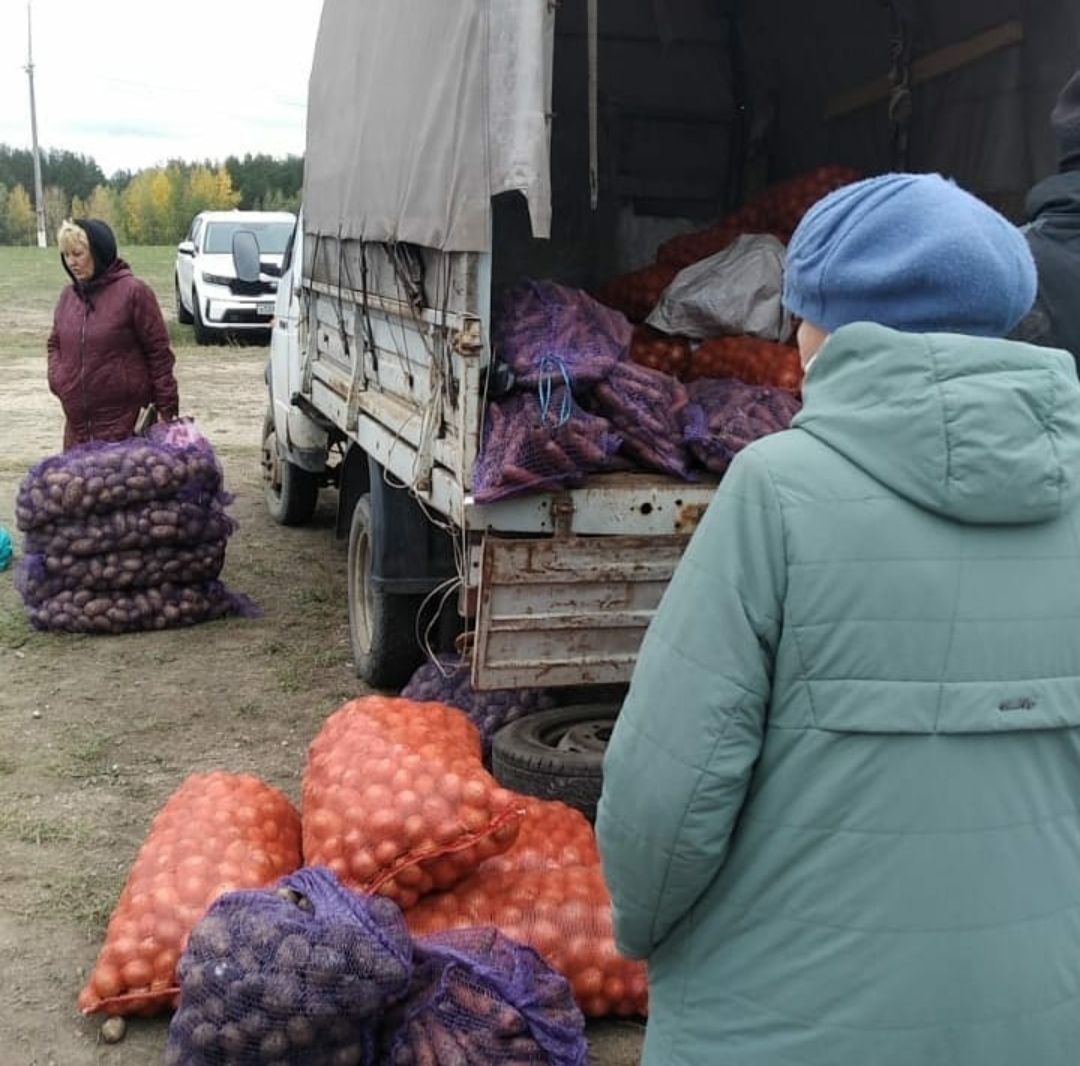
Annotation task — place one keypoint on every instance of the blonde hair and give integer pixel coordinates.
(70, 236)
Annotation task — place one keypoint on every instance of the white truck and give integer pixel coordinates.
(455, 147)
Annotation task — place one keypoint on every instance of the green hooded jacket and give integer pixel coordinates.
(841, 804)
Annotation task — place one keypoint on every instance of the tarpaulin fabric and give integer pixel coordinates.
(470, 82)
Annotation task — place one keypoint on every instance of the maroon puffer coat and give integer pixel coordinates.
(109, 356)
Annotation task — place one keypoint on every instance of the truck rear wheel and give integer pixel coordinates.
(382, 625)
(291, 492)
(556, 754)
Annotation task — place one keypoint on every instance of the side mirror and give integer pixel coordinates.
(186, 248)
(245, 254)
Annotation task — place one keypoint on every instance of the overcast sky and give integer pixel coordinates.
(135, 82)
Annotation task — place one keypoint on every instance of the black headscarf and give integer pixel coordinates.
(102, 244)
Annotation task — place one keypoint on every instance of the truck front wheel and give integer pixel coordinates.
(291, 492)
(382, 625)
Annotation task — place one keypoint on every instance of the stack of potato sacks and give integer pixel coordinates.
(126, 536)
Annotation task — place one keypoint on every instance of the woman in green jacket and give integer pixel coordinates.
(841, 805)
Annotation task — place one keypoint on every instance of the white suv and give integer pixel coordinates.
(209, 294)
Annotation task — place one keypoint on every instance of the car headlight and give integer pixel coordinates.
(216, 279)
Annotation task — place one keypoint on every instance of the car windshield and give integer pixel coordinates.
(272, 236)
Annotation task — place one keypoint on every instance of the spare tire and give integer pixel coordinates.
(556, 754)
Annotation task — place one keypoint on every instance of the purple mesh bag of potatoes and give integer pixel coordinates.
(300, 974)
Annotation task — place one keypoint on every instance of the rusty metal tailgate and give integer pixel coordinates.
(567, 610)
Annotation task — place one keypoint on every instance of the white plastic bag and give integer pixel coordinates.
(734, 292)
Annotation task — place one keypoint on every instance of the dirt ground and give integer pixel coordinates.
(97, 732)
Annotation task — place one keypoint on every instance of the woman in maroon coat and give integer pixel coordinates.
(109, 351)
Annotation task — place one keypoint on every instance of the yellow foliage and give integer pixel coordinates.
(225, 195)
(21, 223)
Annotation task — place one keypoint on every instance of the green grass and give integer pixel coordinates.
(31, 280)
(14, 629)
(26, 829)
(85, 757)
(86, 899)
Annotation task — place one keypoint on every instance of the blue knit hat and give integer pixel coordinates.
(913, 252)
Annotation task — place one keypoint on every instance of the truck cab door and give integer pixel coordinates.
(285, 340)
(303, 440)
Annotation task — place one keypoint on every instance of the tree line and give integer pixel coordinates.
(150, 206)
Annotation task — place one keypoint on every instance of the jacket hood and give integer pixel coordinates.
(117, 269)
(1057, 197)
(102, 243)
(980, 430)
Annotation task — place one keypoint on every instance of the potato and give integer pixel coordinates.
(300, 1031)
(113, 1030)
(204, 1036)
(81, 482)
(282, 995)
(233, 1039)
(211, 937)
(274, 1045)
(349, 1055)
(292, 952)
(213, 1010)
(255, 1023)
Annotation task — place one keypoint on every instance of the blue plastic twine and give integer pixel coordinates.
(543, 388)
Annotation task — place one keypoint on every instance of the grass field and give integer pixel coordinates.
(31, 280)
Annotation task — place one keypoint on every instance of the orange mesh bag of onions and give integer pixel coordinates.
(395, 798)
(547, 891)
(216, 833)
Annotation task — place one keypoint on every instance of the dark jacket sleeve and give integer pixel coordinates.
(154, 338)
(684, 745)
(52, 346)
(1035, 327)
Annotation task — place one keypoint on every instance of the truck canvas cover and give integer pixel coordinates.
(420, 112)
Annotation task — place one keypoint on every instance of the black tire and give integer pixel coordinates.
(382, 625)
(183, 315)
(556, 754)
(291, 492)
(202, 334)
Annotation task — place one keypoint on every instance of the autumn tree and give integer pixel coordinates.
(57, 209)
(104, 203)
(153, 206)
(147, 208)
(21, 223)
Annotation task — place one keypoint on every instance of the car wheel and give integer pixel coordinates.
(202, 334)
(183, 315)
(291, 493)
(382, 625)
(556, 754)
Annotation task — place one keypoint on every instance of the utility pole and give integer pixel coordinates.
(39, 199)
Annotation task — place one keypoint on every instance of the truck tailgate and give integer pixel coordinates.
(567, 610)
